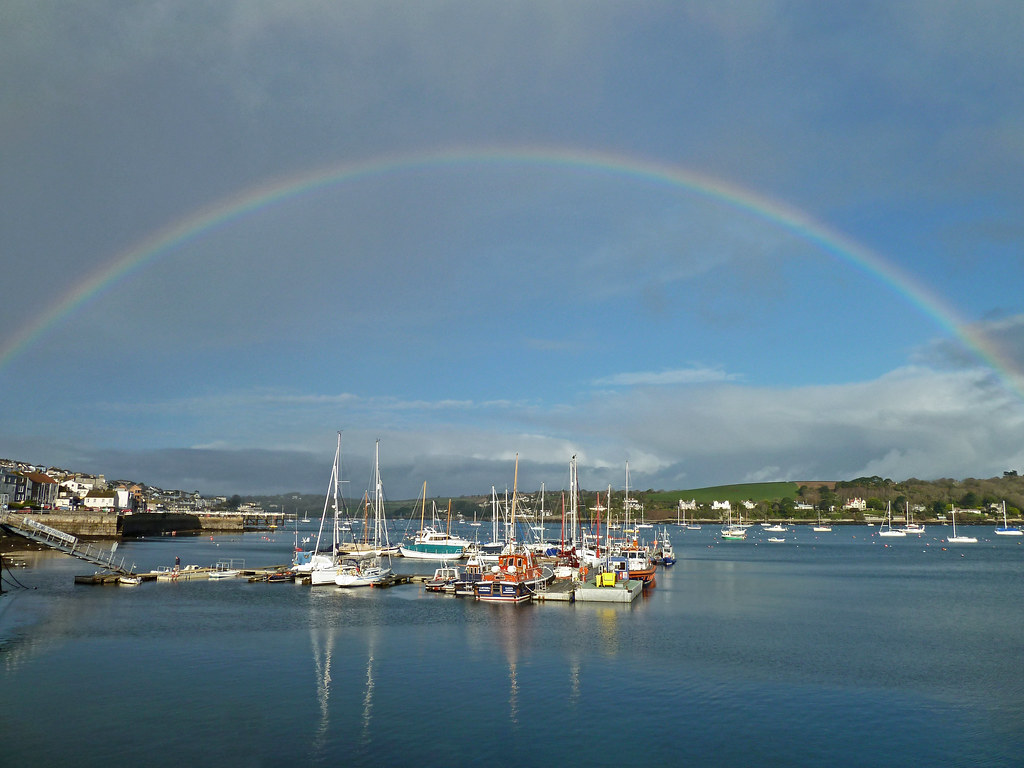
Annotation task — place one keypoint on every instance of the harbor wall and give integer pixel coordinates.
(111, 525)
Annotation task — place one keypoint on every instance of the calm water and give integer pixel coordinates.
(830, 649)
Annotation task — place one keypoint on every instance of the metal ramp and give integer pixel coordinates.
(65, 542)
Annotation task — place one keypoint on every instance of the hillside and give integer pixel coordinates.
(739, 492)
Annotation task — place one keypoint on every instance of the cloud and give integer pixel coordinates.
(913, 422)
(663, 378)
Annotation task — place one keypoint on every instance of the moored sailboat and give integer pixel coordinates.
(886, 528)
(1007, 530)
(370, 570)
(954, 539)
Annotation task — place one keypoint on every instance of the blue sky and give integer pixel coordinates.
(466, 311)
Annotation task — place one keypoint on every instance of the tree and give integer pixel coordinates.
(969, 500)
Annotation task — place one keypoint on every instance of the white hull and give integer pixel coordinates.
(323, 576)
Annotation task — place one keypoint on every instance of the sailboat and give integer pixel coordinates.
(911, 526)
(954, 539)
(368, 571)
(1007, 530)
(320, 567)
(886, 528)
(821, 527)
(734, 532)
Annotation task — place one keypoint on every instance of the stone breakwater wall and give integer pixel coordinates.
(111, 525)
(101, 525)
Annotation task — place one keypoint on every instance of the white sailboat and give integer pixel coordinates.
(886, 529)
(821, 527)
(369, 570)
(954, 539)
(911, 526)
(1007, 530)
(319, 566)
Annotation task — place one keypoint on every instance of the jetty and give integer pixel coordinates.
(64, 542)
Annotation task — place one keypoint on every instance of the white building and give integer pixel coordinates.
(723, 505)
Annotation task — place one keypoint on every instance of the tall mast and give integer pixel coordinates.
(337, 472)
(573, 508)
(515, 485)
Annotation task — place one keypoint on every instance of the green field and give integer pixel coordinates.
(741, 492)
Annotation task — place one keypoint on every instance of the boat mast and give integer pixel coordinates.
(573, 504)
(423, 506)
(512, 510)
(337, 472)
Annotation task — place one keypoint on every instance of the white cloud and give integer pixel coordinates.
(666, 378)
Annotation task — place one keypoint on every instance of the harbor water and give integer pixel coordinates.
(832, 649)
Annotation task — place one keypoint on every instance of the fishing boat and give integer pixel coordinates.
(663, 553)
(443, 580)
(370, 570)
(886, 529)
(515, 579)
(954, 539)
(638, 562)
(227, 569)
(1007, 530)
(469, 575)
(517, 576)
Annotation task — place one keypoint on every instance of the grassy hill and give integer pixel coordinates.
(739, 492)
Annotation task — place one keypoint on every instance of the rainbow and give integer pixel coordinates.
(255, 199)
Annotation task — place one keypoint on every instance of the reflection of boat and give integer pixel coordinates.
(1007, 530)
(954, 539)
(886, 529)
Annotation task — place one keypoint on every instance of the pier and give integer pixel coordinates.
(65, 542)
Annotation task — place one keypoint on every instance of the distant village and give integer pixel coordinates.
(50, 488)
